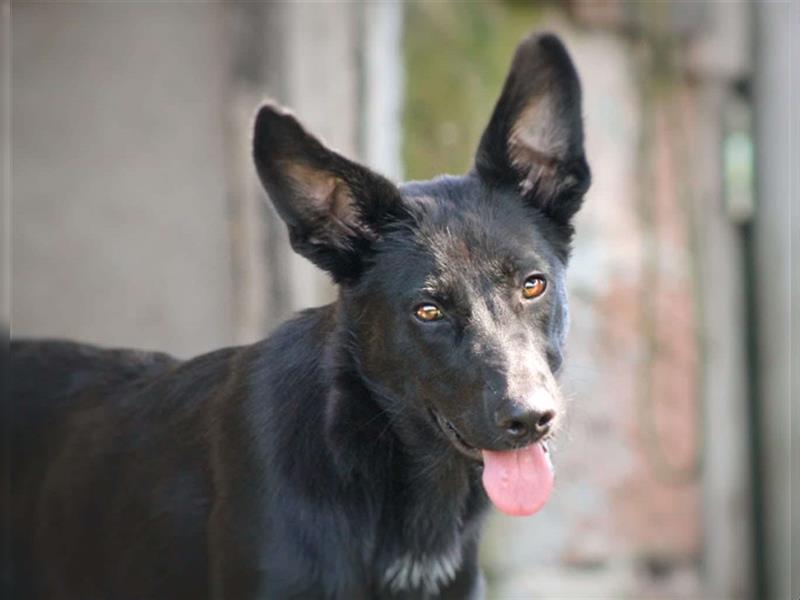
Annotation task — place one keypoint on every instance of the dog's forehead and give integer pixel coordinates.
(464, 226)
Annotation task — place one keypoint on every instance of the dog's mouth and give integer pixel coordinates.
(455, 438)
(517, 481)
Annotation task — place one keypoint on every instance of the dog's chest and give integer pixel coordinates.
(426, 571)
(434, 538)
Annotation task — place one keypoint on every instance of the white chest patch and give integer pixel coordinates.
(430, 573)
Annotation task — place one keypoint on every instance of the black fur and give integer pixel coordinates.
(311, 464)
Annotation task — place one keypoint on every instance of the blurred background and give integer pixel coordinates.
(137, 221)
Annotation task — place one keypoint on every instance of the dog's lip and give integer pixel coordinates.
(454, 436)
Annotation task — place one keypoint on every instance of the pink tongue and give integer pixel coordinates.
(520, 481)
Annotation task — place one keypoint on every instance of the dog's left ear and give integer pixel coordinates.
(334, 208)
(534, 139)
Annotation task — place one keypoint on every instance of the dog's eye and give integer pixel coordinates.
(428, 312)
(534, 286)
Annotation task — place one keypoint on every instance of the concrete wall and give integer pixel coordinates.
(138, 219)
(777, 93)
(119, 202)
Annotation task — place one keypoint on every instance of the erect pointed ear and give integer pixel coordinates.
(334, 208)
(535, 137)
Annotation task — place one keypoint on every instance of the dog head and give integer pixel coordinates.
(453, 288)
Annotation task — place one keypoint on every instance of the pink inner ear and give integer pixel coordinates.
(535, 129)
(534, 144)
(330, 197)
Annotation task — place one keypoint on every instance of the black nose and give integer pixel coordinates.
(520, 425)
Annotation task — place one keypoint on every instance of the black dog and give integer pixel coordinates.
(350, 454)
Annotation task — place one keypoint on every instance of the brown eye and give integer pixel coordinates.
(534, 286)
(428, 312)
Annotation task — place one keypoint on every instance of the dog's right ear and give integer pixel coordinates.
(334, 208)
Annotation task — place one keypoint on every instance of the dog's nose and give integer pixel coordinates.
(521, 425)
